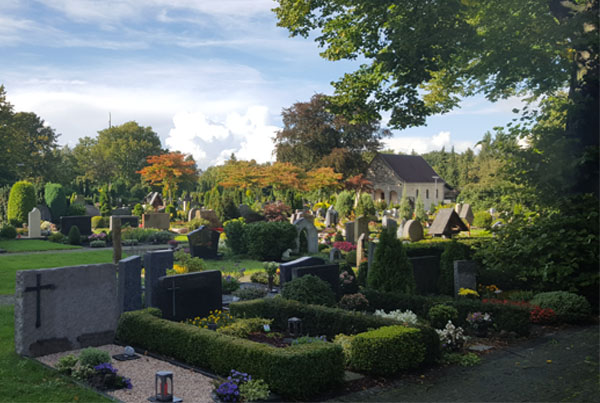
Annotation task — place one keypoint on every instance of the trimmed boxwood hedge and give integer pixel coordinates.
(294, 372)
(317, 320)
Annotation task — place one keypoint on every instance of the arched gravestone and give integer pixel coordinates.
(335, 254)
(311, 235)
(33, 223)
(413, 230)
(192, 213)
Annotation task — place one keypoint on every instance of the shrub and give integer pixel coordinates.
(90, 357)
(268, 240)
(389, 301)
(309, 289)
(344, 203)
(254, 390)
(420, 214)
(67, 364)
(365, 206)
(55, 199)
(243, 327)
(262, 277)
(57, 237)
(234, 230)
(76, 210)
(351, 258)
(408, 317)
(453, 251)
(277, 211)
(160, 237)
(74, 236)
(105, 206)
(568, 307)
(354, 302)
(138, 210)
(100, 222)
(229, 284)
(248, 293)
(8, 232)
(452, 337)
(391, 270)
(314, 367)
(140, 235)
(21, 201)
(542, 316)
(482, 219)
(98, 244)
(439, 315)
(170, 210)
(338, 238)
(387, 350)
(363, 272)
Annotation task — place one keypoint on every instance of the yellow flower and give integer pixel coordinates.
(466, 292)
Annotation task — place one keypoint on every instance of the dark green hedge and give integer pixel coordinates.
(294, 372)
(317, 320)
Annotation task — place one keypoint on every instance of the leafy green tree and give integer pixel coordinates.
(21, 201)
(314, 136)
(56, 200)
(344, 203)
(105, 205)
(420, 214)
(421, 57)
(391, 270)
(405, 206)
(365, 206)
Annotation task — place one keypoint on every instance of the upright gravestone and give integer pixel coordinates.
(400, 230)
(84, 223)
(45, 212)
(360, 249)
(115, 225)
(130, 284)
(285, 269)
(330, 273)
(466, 213)
(465, 275)
(132, 221)
(413, 230)
(160, 221)
(33, 223)
(331, 217)
(122, 211)
(92, 211)
(335, 254)
(426, 270)
(321, 212)
(371, 253)
(65, 308)
(156, 264)
(192, 213)
(361, 226)
(190, 295)
(312, 236)
(389, 223)
(350, 231)
(204, 243)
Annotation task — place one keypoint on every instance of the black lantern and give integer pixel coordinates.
(163, 388)
(295, 327)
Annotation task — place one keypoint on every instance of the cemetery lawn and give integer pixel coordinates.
(24, 380)
(9, 264)
(34, 245)
(234, 265)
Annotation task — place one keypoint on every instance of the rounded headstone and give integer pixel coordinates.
(413, 230)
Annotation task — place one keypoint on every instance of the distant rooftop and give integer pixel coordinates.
(411, 168)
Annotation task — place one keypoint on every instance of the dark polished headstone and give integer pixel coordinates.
(130, 284)
(330, 273)
(83, 222)
(204, 243)
(426, 270)
(285, 269)
(156, 264)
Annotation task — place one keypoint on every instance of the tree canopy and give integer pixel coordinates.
(169, 170)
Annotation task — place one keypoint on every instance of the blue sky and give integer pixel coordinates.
(210, 76)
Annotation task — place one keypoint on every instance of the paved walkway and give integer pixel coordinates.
(556, 367)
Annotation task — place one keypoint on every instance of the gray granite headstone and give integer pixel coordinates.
(389, 223)
(83, 222)
(33, 223)
(65, 308)
(156, 264)
(465, 275)
(350, 232)
(285, 269)
(329, 273)
(335, 254)
(184, 296)
(130, 284)
(312, 236)
(331, 217)
(371, 253)
(361, 226)
(122, 211)
(400, 230)
(413, 230)
(92, 211)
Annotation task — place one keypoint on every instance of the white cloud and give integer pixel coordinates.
(211, 140)
(423, 144)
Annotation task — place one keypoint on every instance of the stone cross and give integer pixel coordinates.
(33, 223)
(38, 289)
(173, 289)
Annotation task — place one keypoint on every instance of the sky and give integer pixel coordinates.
(211, 77)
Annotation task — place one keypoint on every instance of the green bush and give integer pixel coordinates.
(105, 206)
(243, 327)
(21, 201)
(160, 237)
(363, 272)
(354, 302)
(248, 293)
(268, 240)
(8, 232)
(309, 289)
(100, 222)
(387, 350)
(90, 357)
(568, 307)
(439, 315)
(171, 211)
(317, 320)
(391, 270)
(76, 210)
(56, 200)
(482, 219)
(508, 317)
(74, 236)
(229, 284)
(138, 210)
(140, 235)
(351, 258)
(234, 230)
(365, 206)
(313, 367)
(57, 237)
(98, 244)
(261, 277)
(453, 251)
(344, 203)
(429, 247)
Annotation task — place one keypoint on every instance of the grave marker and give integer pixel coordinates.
(130, 284)
(335, 254)
(389, 223)
(312, 236)
(413, 230)
(350, 232)
(84, 223)
(204, 243)
(285, 269)
(33, 223)
(160, 221)
(327, 272)
(360, 249)
(331, 217)
(361, 226)
(156, 264)
(465, 275)
(115, 225)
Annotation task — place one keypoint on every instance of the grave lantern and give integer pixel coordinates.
(295, 327)
(163, 388)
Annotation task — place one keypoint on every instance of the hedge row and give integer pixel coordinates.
(511, 318)
(317, 320)
(294, 372)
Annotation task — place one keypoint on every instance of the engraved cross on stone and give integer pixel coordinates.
(38, 289)
(173, 289)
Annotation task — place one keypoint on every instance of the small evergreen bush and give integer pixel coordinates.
(90, 357)
(100, 222)
(351, 257)
(344, 203)
(453, 251)
(8, 232)
(55, 199)
(138, 210)
(57, 237)
(439, 315)
(482, 219)
(248, 293)
(160, 237)
(568, 307)
(268, 240)
(309, 289)
(74, 236)
(363, 272)
(365, 206)
(21, 201)
(391, 270)
(76, 210)
(234, 231)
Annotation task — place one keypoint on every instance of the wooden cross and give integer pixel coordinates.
(173, 289)
(38, 289)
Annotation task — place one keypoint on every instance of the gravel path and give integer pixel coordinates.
(189, 385)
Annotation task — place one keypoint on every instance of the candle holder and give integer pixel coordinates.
(163, 388)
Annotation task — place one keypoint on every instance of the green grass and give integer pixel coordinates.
(22, 245)
(9, 264)
(181, 238)
(24, 380)
(234, 265)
